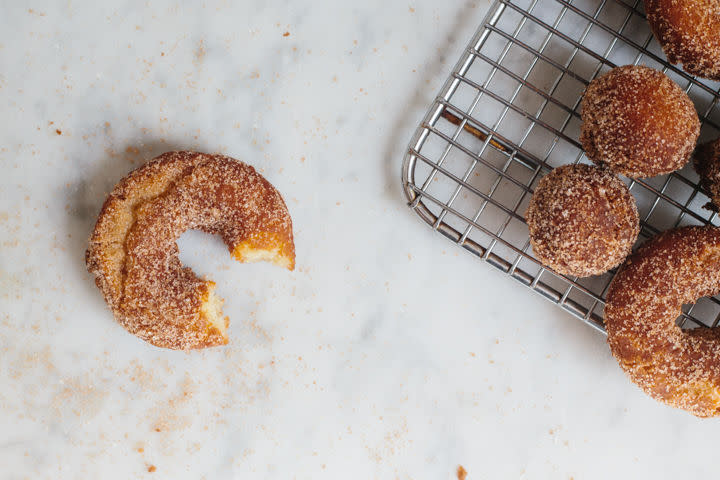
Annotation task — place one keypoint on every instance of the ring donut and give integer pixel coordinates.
(689, 33)
(134, 257)
(678, 367)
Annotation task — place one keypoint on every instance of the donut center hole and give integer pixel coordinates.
(204, 253)
(700, 314)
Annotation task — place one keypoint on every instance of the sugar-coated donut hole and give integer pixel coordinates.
(582, 220)
(689, 33)
(638, 122)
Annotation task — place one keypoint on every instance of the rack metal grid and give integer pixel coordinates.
(508, 114)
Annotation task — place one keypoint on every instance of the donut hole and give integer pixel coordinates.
(582, 220)
(638, 122)
(688, 32)
(705, 307)
(204, 253)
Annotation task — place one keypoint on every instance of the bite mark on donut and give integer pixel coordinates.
(263, 247)
(211, 313)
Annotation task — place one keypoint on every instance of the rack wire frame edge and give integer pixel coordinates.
(514, 257)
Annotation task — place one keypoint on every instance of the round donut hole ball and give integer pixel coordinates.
(583, 220)
(638, 122)
(689, 33)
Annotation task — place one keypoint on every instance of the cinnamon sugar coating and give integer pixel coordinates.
(134, 255)
(689, 33)
(707, 165)
(678, 367)
(638, 122)
(583, 220)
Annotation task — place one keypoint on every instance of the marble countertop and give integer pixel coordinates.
(387, 353)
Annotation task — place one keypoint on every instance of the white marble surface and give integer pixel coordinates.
(388, 353)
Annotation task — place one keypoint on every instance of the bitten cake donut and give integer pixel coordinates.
(638, 122)
(678, 367)
(707, 165)
(134, 257)
(583, 220)
(689, 33)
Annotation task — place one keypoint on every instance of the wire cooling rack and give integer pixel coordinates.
(508, 114)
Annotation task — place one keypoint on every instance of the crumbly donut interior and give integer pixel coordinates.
(211, 311)
(262, 248)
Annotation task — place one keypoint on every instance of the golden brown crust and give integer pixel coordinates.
(707, 165)
(134, 256)
(583, 220)
(638, 122)
(689, 33)
(678, 367)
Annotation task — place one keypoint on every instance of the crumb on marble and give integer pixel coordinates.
(200, 51)
(461, 472)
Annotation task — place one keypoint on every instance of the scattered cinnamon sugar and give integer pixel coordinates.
(151, 468)
(200, 52)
